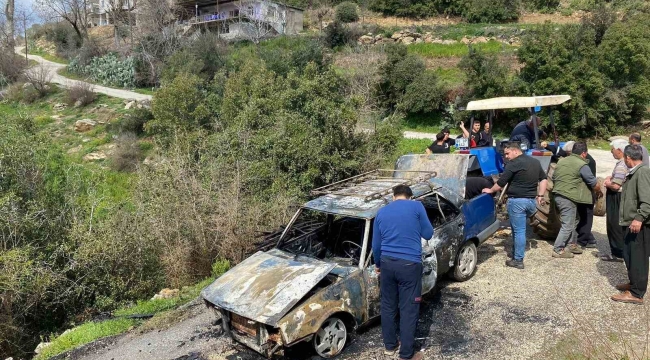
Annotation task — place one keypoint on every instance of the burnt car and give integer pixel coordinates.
(318, 282)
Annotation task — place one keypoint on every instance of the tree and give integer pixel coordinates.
(485, 77)
(121, 12)
(398, 71)
(9, 18)
(72, 11)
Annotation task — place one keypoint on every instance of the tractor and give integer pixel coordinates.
(488, 161)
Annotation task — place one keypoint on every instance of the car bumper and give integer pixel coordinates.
(254, 335)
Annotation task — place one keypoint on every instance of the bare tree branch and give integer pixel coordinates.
(71, 11)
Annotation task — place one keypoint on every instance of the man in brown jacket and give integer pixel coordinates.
(635, 216)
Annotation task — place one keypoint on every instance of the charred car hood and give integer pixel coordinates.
(266, 286)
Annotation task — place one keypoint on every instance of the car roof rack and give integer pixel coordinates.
(354, 186)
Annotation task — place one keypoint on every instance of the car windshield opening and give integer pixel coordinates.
(326, 236)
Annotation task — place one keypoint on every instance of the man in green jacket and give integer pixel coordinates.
(635, 216)
(573, 182)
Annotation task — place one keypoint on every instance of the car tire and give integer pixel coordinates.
(330, 338)
(466, 260)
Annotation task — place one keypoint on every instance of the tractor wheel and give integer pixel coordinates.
(599, 206)
(546, 221)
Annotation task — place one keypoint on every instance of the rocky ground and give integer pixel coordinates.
(552, 309)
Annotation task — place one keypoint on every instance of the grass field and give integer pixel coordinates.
(455, 50)
(48, 56)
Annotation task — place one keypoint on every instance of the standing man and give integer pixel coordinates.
(635, 215)
(614, 185)
(573, 182)
(635, 139)
(522, 174)
(397, 250)
(475, 137)
(439, 146)
(524, 132)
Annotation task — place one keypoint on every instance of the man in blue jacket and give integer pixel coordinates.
(397, 250)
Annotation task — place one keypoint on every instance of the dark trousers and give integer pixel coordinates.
(586, 214)
(635, 253)
(615, 232)
(400, 283)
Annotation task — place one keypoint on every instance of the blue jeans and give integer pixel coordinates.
(519, 210)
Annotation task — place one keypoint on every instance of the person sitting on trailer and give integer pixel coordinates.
(486, 136)
(475, 137)
(474, 186)
(524, 132)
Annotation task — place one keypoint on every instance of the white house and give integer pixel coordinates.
(243, 18)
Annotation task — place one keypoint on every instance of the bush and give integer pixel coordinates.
(485, 77)
(11, 67)
(179, 106)
(219, 267)
(424, 95)
(543, 5)
(346, 12)
(491, 11)
(398, 71)
(133, 122)
(338, 34)
(80, 94)
(126, 154)
(22, 92)
(108, 70)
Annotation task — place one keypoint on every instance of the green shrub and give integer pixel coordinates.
(485, 77)
(398, 71)
(543, 5)
(424, 95)
(180, 105)
(219, 267)
(182, 61)
(338, 34)
(108, 70)
(347, 12)
(491, 11)
(132, 122)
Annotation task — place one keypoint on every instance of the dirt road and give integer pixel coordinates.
(53, 67)
(501, 313)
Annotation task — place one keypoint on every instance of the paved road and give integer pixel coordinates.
(53, 67)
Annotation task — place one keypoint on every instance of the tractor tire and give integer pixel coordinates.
(599, 206)
(546, 221)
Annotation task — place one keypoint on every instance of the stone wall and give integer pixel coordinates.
(407, 37)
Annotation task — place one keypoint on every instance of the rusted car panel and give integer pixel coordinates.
(356, 206)
(345, 296)
(264, 287)
(451, 169)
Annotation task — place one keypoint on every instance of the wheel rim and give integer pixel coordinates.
(467, 261)
(330, 338)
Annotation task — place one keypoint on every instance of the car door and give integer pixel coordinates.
(448, 224)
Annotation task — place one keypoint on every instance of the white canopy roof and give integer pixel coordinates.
(517, 102)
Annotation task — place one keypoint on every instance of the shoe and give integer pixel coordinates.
(417, 356)
(563, 254)
(515, 264)
(590, 246)
(610, 258)
(575, 249)
(623, 287)
(627, 297)
(392, 352)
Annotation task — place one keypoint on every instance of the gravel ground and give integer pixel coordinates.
(552, 308)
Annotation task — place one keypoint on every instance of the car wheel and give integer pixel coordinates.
(330, 338)
(466, 259)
